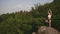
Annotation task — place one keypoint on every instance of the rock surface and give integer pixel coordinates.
(47, 30)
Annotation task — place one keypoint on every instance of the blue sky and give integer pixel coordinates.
(8, 6)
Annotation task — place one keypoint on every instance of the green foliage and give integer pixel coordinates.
(25, 22)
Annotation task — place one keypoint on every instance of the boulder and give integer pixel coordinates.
(47, 30)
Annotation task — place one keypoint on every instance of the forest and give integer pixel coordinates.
(26, 22)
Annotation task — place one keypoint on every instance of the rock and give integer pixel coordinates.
(47, 30)
(33, 33)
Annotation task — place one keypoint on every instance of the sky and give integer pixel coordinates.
(9, 6)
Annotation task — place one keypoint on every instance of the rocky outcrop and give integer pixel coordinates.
(47, 30)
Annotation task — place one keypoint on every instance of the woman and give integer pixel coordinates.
(49, 17)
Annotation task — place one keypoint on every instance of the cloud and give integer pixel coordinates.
(21, 7)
